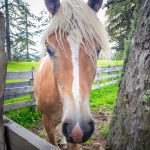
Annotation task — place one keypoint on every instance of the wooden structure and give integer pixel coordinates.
(18, 89)
(12, 135)
(19, 138)
(2, 78)
(105, 76)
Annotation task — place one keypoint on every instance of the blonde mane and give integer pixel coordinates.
(76, 15)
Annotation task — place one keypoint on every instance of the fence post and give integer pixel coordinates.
(31, 81)
(98, 75)
(2, 78)
(109, 73)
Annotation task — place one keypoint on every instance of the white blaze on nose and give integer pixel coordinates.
(77, 133)
(74, 46)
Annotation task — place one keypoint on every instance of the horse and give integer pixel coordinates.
(64, 78)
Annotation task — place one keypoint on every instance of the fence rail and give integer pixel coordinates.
(20, 138)
(17, 105)
(105, 76)
(19, 75)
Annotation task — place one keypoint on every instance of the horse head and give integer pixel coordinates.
(71, 41)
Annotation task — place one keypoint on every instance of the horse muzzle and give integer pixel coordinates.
(78, 132)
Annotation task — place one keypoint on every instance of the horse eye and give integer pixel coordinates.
(98, 51)
(50, 51)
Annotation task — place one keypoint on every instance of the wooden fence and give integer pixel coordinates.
(105, 76)
(19, 138)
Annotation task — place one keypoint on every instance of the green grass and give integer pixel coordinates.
(25, 66)
(21, 66)
(89, 142)
(104, 130)
(18, 99)
(27, 117)
(19, 80)
(104, 97)
(109, 62)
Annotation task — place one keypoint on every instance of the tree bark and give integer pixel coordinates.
(130, 126)
(7, 31)
(27, 36)
(2, 78)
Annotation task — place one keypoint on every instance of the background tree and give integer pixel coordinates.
(7, 30)
(120, 16)
(21, 28)
(130, 127)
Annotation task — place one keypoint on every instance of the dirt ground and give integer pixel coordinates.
(97, 141)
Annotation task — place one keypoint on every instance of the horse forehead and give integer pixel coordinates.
(68, 44)
(63, 46)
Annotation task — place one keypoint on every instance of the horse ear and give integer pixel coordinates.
(95, 4)
(52, 5)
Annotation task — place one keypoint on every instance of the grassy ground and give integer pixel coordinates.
(21, 66)
(18, 99)
(104, 97)
(26, 117)
(109, 63)
(25, 66)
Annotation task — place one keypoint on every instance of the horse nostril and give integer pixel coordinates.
(64, 128)
(88, 130)
(91, 124)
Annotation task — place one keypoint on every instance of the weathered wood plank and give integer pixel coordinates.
(18, 84)
(108, 67)
(19, 138)
(19, 75)
(3, 71)
(18, 90)
(94, 87)
(32, 81)
(14, 85)
(98, 78)
(17, 105)
(7, 97)
(108, 70)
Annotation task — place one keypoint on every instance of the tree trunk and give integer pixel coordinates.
(2, 78)
(130, 126)
(27, 35)
(7, 31)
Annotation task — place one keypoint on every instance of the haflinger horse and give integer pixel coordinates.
(63, 80)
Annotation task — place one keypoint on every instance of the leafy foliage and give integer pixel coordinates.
(127, 41)
(120, 14)
(119, 55)
(23, 26)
